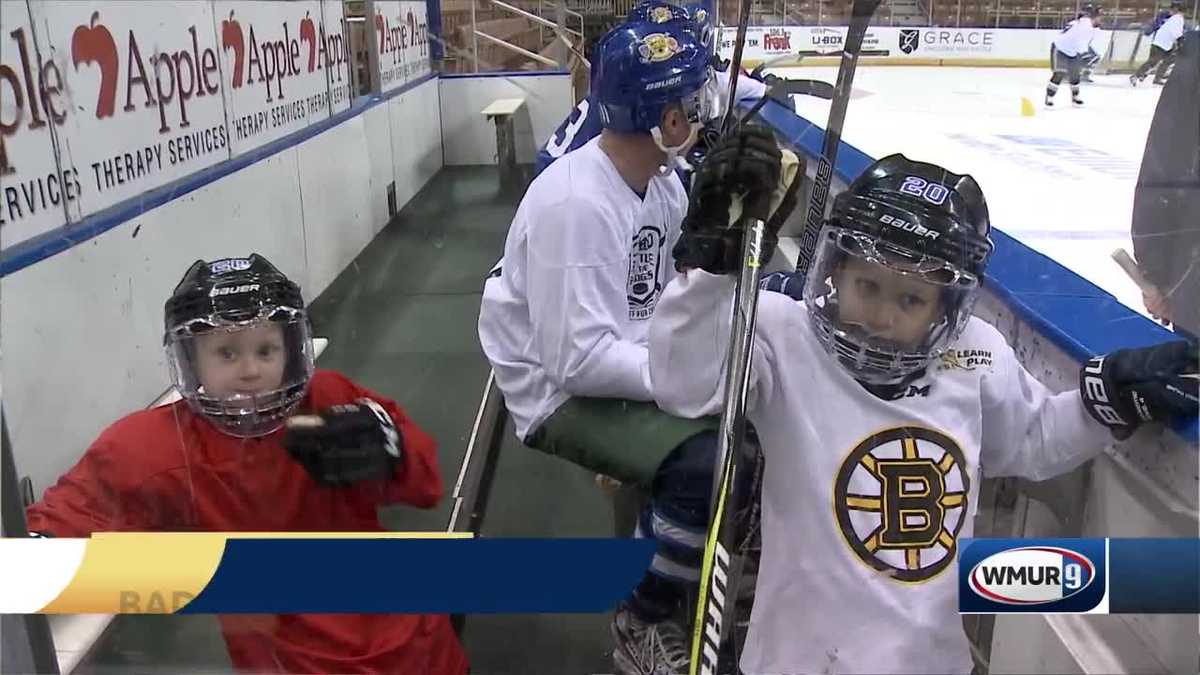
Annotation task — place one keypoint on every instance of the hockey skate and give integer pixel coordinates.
(641, 648)
(1134, 80)
(1049, 101)
(1077, 101)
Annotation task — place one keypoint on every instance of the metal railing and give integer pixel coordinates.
(572, 39)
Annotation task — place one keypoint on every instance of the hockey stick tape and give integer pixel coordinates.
(1131, 268)
(305, 422)
(791, 169)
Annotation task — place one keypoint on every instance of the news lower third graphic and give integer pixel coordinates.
(199, 573)
(1079, 576)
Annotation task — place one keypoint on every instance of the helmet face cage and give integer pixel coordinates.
(872, 358)
(703, 104)
(244, 415)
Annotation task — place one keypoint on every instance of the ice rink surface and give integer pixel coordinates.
(1061, 181)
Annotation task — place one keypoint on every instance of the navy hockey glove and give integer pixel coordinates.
(788, 283)
(1131, 386)
(346, 443)
(749, 163)
(706, 140)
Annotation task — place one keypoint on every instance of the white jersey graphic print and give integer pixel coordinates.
(646, 274)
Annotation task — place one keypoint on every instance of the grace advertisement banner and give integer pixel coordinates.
(788, 43)
(101, 101)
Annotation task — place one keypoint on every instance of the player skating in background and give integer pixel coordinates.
(879, 401)
(1068, 54)
(222, 460)
(1090, 57)
(1163, 47)
(564, 316)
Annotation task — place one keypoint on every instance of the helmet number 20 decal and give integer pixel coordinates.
(934, 193)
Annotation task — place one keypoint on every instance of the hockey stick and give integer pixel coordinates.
(735, 65)
(861, 13)
(815, 88)
(718, 580)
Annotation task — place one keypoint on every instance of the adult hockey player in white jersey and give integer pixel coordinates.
(564, 317)
(584, 124)
(1069, 54)
(879, 402)
(1163, 47)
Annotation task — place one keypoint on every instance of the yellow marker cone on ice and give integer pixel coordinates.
(1026, 107)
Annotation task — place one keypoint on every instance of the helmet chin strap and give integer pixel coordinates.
(675, 154)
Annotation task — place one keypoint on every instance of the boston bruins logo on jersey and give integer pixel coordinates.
(901, 499)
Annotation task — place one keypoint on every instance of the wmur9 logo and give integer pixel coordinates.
(1044, 576)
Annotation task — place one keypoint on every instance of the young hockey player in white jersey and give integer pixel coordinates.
(564, 318)
(1069, 54)
(1163, 47)
(879, 402)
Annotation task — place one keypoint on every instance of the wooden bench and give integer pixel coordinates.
(502, 111)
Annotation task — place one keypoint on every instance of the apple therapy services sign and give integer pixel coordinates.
(284, 67)
(106, 100)
(403, 42)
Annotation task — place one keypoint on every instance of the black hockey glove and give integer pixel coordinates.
(777, 88)
(346, 443)
(787, 283)
(1131, 386)
(706, 140)
(749, 163)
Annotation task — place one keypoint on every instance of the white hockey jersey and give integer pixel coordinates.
(584, 263)
(1077, 38)
(864, 500)
(1169, 33)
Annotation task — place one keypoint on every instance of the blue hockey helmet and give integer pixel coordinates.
(640, 68)
(697, 16)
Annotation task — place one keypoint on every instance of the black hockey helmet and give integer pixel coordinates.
(234, 290)
(1178, 5)
(228, 296)
(921, 208)
(1091, 10)
(920, 222)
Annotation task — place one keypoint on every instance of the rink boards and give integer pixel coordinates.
(1060, 181)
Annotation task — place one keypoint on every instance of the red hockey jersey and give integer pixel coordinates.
(169, 469)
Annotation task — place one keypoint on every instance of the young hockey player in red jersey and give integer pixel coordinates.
(225, 458)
